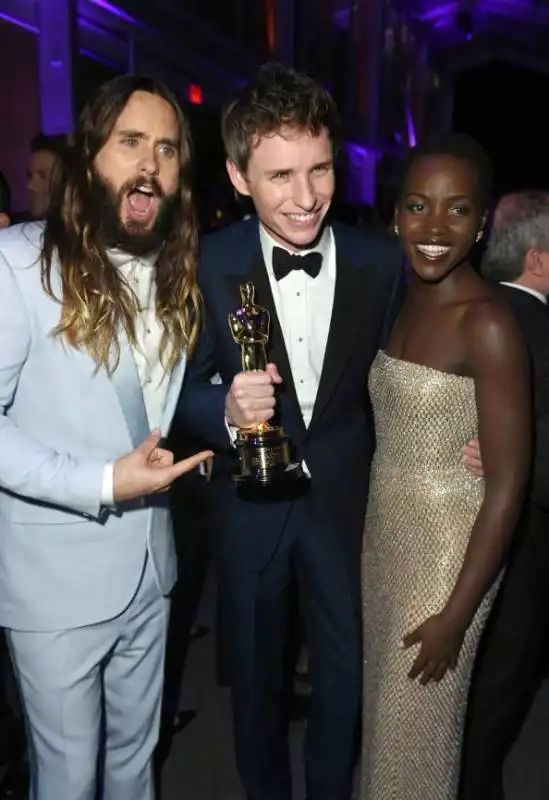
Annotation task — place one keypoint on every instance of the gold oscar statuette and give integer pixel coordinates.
(264, 450)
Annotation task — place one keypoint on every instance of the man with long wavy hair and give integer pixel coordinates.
(98, 308)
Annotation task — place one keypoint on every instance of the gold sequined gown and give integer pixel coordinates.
(421, 509)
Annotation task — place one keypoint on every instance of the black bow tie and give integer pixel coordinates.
(284, 263)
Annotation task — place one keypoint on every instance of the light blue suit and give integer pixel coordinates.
(77, 582)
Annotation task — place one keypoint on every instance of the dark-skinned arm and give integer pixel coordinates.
(500, 366)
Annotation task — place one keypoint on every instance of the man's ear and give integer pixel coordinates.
(533, 264)
(4, 220)
(237, 178)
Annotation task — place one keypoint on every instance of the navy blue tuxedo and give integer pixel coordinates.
(318, 536)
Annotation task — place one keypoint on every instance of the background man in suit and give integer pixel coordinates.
(328, 289)
(511, 657)
(96, 310)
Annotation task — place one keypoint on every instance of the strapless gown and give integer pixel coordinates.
(421, 509)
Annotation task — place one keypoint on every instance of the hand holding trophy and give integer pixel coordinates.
(264, 450)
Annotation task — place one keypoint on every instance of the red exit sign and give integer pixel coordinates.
(195, 94)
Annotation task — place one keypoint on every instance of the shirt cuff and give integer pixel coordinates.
(232, 430)
(107, 487)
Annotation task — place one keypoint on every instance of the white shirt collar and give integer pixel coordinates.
(527, 289)
(120, 259)
(324, 247)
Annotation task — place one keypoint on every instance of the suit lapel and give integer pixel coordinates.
(276, 347)
(172, 394)
(347, 316)
(125, 380)
(130, 395)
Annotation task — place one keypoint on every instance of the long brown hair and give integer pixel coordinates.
(95, 299)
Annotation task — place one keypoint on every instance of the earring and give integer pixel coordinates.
(479, 235)
(396, 229)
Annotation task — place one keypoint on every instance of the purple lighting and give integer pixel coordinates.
(412, 141)
(440, 12)
(100, 59)
(115, 11)
(357, 150)
(18, 22)
(361, 171)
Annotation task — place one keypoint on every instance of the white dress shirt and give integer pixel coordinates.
(139, 273)
(526, 289)
(304, 308)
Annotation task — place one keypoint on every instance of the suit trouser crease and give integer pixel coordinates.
(74, 682)
(255, 616)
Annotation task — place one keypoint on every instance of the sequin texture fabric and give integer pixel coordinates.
(421, 509)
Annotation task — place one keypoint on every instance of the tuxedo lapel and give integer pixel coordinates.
(130, 395)
(276, 347)
(347, 316)
(172, 394)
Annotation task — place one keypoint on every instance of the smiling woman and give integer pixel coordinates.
(442, 211)
(455, 368)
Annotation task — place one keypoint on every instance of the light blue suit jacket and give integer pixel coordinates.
(65, 561)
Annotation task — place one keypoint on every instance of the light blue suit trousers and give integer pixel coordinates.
(83, 587)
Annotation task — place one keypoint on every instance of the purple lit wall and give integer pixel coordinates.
(20, 106)
(106, 33)
(115, 11)
(412, 141)
(55, 57)
(360, 174)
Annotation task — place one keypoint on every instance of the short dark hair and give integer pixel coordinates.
(5, 195)
(523, 226)
(461, 147)
(49, 144)
(277, 98)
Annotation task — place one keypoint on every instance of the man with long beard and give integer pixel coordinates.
(97, 311)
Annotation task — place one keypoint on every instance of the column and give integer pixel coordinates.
(360, 178)
(56, 24)
(365, 75)
(367, 22)
(419, 88)
(284, 13)
(440, 104)
(313, 23)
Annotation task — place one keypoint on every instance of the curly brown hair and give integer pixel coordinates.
(278, 98)
(96, 300)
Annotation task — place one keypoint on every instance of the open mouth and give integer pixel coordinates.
(141, 203)
(433, 251)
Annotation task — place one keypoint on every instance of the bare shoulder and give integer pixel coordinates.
(491, 331)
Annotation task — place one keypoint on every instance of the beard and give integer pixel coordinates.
(132, 237)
